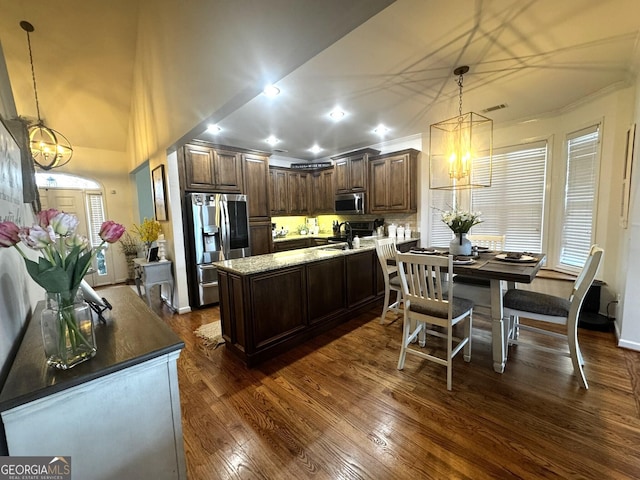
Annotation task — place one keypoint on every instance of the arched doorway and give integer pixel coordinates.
(84, 197)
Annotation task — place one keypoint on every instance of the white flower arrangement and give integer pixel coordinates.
(460, 221)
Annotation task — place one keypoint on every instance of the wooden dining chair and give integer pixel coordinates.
(544, 308)
(386, 250)
(494, 243)
(479, 289)
(429, 301)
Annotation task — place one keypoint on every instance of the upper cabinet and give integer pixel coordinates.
(278, 192)
(322, 193)
(256, 186)
(393, 182)
(350, 171)
(289, 191)
(212, 169)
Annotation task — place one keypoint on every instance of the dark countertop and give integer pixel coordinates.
(132, 335)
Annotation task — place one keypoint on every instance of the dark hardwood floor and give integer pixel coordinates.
(337, 408)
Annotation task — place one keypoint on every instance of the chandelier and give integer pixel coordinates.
(49, 148)
(460, 148)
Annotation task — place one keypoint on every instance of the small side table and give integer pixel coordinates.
(149, 274)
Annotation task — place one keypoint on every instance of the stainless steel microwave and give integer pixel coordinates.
(351, 203)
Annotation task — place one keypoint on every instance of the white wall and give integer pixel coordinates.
(628, 326)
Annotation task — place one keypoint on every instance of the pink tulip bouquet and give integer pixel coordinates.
(65, 255)
(65, 258)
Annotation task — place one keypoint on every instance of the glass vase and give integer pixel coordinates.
(460, 245)
(67, 329)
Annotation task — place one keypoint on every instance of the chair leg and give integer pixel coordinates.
(406, 330)
(576, 357)
(385, 305)
(449, 359)
(466, 351)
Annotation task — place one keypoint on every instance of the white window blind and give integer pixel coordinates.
(583, 160)
(514, 204)
(95, 209)
(440, 234)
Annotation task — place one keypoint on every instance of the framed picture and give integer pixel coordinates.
(626, 179)
(11, 198)
(159, 194)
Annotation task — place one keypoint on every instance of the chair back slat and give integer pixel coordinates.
(421, 276)
(492, 242)
(386, 250)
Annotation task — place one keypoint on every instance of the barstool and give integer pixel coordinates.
(386, 250)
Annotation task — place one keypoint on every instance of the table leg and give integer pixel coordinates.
(498, 329)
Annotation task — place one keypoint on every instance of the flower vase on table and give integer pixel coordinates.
(67, 329)
(65, 258)
(460, 245)
(460, 222)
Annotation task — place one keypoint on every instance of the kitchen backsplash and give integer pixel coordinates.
(325, 222)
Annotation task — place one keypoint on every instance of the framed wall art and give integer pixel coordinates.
(159, 194)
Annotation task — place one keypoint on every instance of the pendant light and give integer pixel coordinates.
(460, 148)
(49, 148)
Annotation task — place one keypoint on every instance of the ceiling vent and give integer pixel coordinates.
(494, 108)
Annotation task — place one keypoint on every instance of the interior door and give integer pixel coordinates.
(73, 201)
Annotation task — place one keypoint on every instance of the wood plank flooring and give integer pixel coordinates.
(336, 407)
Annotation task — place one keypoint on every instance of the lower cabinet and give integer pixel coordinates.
(267, 313)
(261, 238)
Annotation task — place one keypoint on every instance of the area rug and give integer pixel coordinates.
(211, 334)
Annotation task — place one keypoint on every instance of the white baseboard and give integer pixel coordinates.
(629, 345)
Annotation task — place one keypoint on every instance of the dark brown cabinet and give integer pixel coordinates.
(350, 171)
(278, 192)
(293, 244)
(260, 238)
(256, 186)
(298, 184)
(393, 182)
(322, 193)
(207, 168)
(289, 191)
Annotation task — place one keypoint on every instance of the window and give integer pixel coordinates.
(95, 209)
(583, 158)
(514, 204)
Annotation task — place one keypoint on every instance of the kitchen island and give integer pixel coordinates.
(271, 303)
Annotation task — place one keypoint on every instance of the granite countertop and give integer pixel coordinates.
(132, 334)
(289, 258)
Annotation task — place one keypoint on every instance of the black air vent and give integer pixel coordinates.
(494, 108)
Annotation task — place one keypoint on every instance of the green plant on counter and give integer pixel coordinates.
(302, 229)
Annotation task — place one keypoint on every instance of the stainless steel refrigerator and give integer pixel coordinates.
(220, 231)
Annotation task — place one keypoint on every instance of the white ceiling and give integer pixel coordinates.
(537, 57)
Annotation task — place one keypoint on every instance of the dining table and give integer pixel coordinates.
(500, 268)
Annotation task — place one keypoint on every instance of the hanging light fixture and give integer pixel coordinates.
(460, 148)
(49, 148)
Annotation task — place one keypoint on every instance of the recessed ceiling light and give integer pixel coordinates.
(272, 140)
(337, 114)
(271, 91)
(315, 149)
(212, 128)
(380, 130)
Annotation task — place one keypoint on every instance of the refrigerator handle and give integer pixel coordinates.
(223, 225)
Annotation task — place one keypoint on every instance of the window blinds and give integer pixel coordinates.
(95, 209)
(514, 204)
(580, 192)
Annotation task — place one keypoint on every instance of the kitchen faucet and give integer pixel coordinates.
(349, 233)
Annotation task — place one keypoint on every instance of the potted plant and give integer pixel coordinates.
(129, 247)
